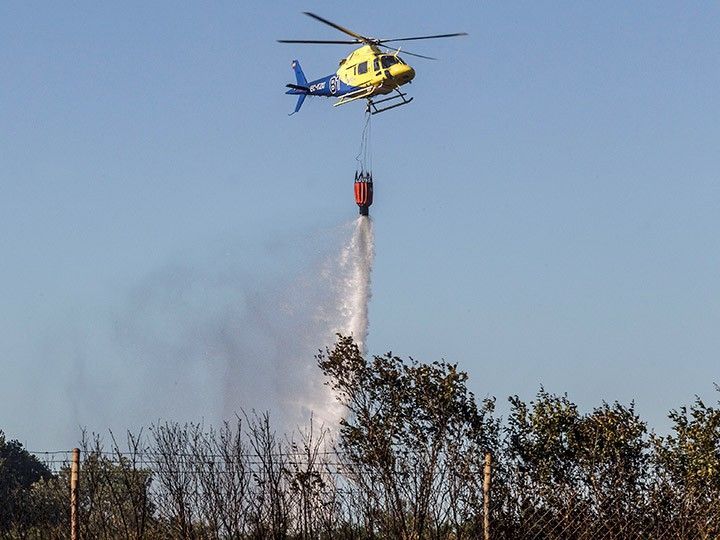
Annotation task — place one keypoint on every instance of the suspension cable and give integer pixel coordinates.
(364, 157)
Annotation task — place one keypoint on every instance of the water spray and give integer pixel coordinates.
(345, 311)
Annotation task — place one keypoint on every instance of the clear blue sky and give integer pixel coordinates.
(547, 209)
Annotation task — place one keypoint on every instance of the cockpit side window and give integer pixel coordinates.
(362, 68)
(388, 61)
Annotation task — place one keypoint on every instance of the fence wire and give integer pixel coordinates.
(683, 516)
(187, 489)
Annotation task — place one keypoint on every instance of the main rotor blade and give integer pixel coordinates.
(422, 37)
(337, 26)
(320, 41)
(408, 52)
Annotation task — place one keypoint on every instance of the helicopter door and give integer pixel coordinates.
(376, 66)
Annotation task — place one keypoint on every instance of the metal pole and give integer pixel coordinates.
(74, 477)
(486, 496)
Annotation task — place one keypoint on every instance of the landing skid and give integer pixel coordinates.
(372, 106)
(357, 94)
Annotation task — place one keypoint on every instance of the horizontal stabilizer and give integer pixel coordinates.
(298, 89)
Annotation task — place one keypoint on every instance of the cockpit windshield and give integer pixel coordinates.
(388, 61)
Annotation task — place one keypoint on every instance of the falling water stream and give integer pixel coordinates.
(344, 311)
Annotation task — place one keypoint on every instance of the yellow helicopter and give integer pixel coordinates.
(366, 72)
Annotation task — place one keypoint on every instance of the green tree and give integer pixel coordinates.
(613, 463)
(413, 442)
(19, 470)
(687, 471)
(562, 468)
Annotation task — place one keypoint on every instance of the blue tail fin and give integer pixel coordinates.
(299, 103)
(300, 88)
(299, 75)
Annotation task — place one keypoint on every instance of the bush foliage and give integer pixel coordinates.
(406, 463)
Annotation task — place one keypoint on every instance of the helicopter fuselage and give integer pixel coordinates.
(364, 73)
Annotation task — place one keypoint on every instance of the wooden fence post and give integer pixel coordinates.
(74, 499)
(486, 496)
